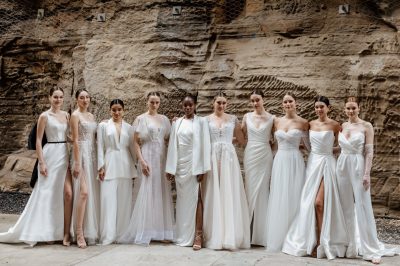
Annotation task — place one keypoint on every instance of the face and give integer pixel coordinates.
(351, 109)
(153, 103)
(220, 104)
(83, 100)
(57, 98)
(288, 103)
(321, 109)
(256, 101)
(188, 106)
(117, 112)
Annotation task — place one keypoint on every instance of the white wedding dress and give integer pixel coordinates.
(287, 180)
(153, 214)
(350, 171)
(257, 167)
(226, 215)
(43, 217)
(302, 236)
(88, 161)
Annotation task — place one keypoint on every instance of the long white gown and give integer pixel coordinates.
(257, 164)
(350, 171)
(43, 217)
(153, 215)
(88, 161)
(302, 237)
(287, 180)
(188, 156)
(226, 215)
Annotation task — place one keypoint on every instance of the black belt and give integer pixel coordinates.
(56, 142)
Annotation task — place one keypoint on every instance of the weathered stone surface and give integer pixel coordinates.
(302, 46)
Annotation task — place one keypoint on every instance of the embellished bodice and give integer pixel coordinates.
(86, 130)
(223, 134)
(288, 140)
(322, 142)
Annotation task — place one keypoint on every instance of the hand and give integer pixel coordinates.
(200, 177)
(170, 177)
(101, 174)
(366, 182)
(76, 171)
(175, 118)
(43, 169)
(145, 168)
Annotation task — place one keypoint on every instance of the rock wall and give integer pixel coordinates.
(302, 46)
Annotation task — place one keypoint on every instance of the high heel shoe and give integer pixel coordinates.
(198, 240)
(66, 241)
(80, 239)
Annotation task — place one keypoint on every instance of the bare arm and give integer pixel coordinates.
(75, 137)
(244, 128)
(238, 133)
(39, 151)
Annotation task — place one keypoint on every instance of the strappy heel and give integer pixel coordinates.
(198, 240)
(80, 239)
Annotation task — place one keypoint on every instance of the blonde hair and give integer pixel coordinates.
(352, 99)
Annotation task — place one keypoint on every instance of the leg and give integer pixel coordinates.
(319, 213)
(108, 211)
(83, 194)
(67, 208)
(198, 238)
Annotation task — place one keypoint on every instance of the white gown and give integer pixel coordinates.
(302, 236)
(226, 222)
(350, 171)
(153, 214)
(43, 217)
(88, 162)
(287, 180)
(257, 167)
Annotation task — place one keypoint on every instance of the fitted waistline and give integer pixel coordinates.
(351, 152)
(257, 141)
(322, 153)
(56, 142)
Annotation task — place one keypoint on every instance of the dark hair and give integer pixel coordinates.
(220, 94)
(290, 94)
(191, 96)
(258, 92)
(78, 92)
(323, 99)
(55, 88)
(117, 101)
(153, 93)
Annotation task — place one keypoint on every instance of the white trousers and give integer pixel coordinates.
(115, 208)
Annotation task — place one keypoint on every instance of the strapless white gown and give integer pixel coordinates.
(302, 236)
(43, 217)
(288, 174)
(350, 171)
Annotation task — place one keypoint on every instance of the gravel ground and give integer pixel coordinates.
(388, 228)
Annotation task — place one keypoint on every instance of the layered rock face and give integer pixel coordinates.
(303, 46)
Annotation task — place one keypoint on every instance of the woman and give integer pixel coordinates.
(226, 213)
(257, 127)
(353, 169)
(288, 173)
(85, 221)
(188, 160)
(153, 215)
(116, 169)
(42, 218)
(319, 228)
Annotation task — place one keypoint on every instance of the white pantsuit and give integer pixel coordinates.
(116, 156)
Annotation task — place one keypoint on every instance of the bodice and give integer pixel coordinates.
(353, 145)
(289, 140)
(224, 133)
(87, 130)
(322, 142)
(261, 134)
(55, 130)
(152, 131)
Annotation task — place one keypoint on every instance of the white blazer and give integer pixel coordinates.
(116, 156)
(201, 162)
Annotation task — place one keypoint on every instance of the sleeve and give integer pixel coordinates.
(206, 145)
(368, 155)
(172, 155)
(131, 143)
(167, 127)
(100, 146)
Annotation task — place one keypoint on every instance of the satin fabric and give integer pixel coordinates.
(356, 201)
(301, 238)
(287, 181)
(43, 216)
(257, 167)
(88, 163)
(226, 222)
